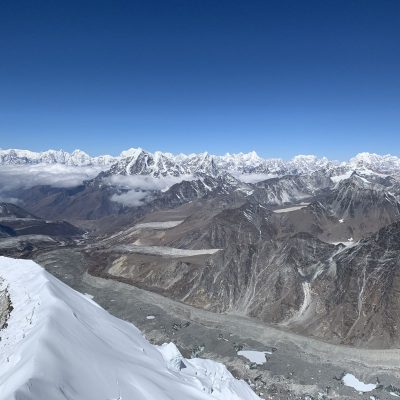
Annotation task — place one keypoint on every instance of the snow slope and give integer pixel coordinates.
(59, 344)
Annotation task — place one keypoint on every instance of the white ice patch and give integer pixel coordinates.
(345, 243)
(166, 251)
(351, 381)
(257, 357)
(150, 317)
(289, 209)
(158, 225)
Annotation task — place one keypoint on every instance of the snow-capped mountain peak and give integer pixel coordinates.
(136, 161)
(131, 152)
(76, 158)
(375, 162)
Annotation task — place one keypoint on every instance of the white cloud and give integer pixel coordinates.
(146, 182)
(141, 187)
(133, 198)
(56, 175)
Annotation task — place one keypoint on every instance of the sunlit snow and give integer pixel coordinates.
(257, 357)
(351, 381)
(158, 225)
(289, 209)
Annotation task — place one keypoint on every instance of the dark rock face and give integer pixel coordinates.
(82, 202)
(5, 308)
(8, 210)
(16, 221)
(6, 231)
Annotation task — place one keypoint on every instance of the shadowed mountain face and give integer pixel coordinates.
(6, 231)
(22, 233)
(20, 222)
(8, 210)
(314, 249)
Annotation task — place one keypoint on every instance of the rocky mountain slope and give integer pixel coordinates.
(241, 260)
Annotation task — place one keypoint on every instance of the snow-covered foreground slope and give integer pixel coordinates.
(58, 344)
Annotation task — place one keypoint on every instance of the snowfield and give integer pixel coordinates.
(164, 250)
(351, 381)
(289, 209)
(257, 357)
(59, 345)
(158, 225)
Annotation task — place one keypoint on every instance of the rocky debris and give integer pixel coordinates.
(5, 308)
(197, 350)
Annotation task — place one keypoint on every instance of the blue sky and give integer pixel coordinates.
(279, 77)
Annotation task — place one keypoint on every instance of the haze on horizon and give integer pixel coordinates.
(280, 78)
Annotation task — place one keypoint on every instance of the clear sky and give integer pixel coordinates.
(280, 77)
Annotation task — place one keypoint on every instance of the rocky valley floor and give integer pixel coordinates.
(295, 367)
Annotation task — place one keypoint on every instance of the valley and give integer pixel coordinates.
(298, 366)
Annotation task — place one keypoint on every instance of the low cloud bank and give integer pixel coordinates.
(141, 187)
(57, 175)
(133, 198)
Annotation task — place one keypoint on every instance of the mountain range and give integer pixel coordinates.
(137, 160)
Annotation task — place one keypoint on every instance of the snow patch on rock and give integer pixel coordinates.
(351, 381)
(253, 356)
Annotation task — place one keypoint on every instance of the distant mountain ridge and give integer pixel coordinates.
(76, 158)
(136, 161)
